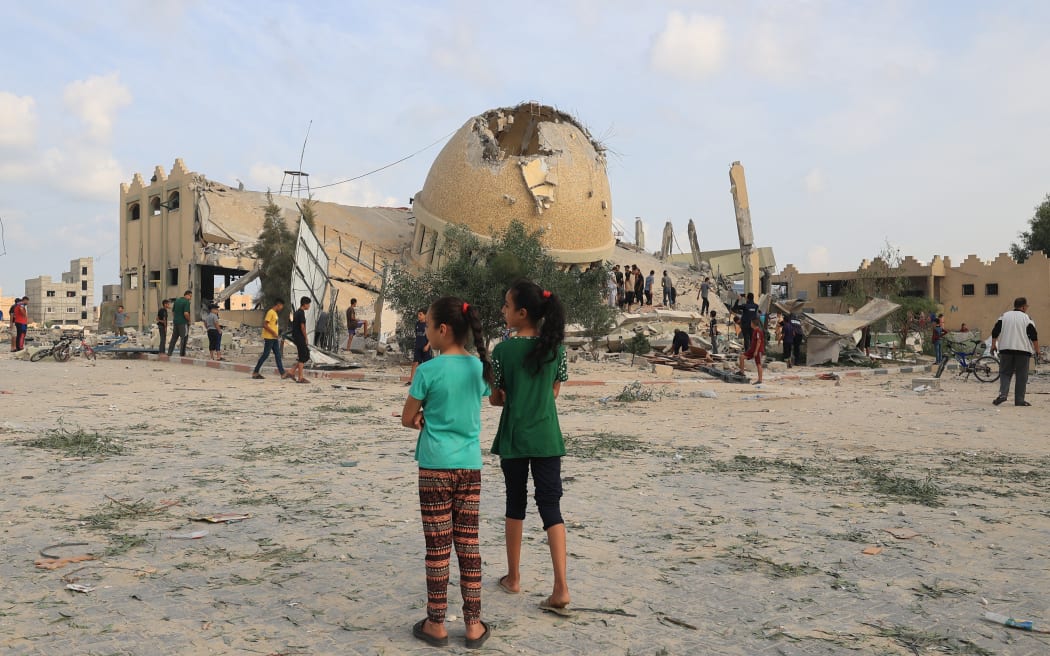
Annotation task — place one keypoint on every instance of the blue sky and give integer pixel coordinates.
(922, 123)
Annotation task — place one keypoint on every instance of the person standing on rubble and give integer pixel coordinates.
(528, 372)
(705, 288)
(650, 280)
(353, 323)
(712, 331)
(180, 331)
(120, 318)
(271, 340)
(611, 284)
(668, 289)
(639, 287)
(619, 285)
(628, 287)
(162, 321)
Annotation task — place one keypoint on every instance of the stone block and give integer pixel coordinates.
(357, 345)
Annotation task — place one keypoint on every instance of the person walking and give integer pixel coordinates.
(180, 323)
(528, 372)
(444, 405)
(271, 341)
(1015, 338)
(162, 322)
(705, 289)
(301, 340)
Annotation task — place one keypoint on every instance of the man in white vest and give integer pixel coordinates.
(1016, 340)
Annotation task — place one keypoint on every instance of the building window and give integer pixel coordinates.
(83, 301)
(49, 310)
(83, 315)
(154, 278)
(133, 281)
(173, 201)
(83, 285)
(173, 277)
(991, 289)
(83, 271)
(830, 288)
(968, 290)
(154, 205)
(50, 292)
(71, 294)
(70, 309)
(133, 212)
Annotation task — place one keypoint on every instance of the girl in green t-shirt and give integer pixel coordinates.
(449, 389)
(528, 370)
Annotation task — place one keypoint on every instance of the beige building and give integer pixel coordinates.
(529, 163)
(182, 231)
(974, 292)
(68, 301)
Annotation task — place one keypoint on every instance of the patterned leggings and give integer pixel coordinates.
(448, 501)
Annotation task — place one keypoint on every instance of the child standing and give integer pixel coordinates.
(449, 389)
(211, 322)
(528, 370)
(421, 350)
(756, 348)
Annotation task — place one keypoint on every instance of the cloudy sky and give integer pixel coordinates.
(923, 123)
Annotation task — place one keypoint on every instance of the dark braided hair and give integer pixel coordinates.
(545, 312)
(462, 317)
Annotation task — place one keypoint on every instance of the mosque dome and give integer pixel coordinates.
(530, 163)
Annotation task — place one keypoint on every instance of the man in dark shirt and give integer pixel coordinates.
(748, 311)
(712, 331)
(162, 321)
(300, 339)
(680, 342)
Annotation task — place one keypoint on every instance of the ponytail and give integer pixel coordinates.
(461, 317)
(544, 310)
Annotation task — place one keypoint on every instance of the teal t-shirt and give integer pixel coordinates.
(528, 426)
(451, 389)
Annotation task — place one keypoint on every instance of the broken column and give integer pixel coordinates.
(748, 254)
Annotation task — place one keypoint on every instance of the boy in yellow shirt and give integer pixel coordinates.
(271, 340)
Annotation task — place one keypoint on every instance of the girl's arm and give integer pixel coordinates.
(498, 397)
(412, 414)
(557, 388)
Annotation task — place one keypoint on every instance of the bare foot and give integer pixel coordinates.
(509, 585)
(558, 601)
(436, 630)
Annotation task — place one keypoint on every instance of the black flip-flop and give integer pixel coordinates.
(418, 632)
(476, 643)
(998, 400)
(1023, 403)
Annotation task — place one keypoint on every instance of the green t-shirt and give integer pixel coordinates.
(451, 388)
(180, 307)
(528, 426)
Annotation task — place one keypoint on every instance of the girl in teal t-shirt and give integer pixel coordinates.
(444, 404)
(529, 370)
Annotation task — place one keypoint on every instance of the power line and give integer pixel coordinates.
(383, 168)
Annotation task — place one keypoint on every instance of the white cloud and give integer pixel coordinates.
(689, 46)
(84, 170)
(18, 121)
(361, 193)
(818, 258)
(774, 53)
(96, 101)
(814, 181)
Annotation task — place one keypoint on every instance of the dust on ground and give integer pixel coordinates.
(732, 525)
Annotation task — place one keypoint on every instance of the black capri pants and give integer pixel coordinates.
(546, 476)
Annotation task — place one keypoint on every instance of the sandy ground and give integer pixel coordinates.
(732, 525)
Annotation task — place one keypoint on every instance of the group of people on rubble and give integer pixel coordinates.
(629, 288)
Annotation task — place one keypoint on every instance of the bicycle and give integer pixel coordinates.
(61, 351)
(985, 368)
(85, 350)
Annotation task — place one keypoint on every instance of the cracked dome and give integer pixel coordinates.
(529, 163)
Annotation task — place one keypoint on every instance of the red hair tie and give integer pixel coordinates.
(466, 306)
(546, 294)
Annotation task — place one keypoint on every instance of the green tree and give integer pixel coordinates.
(276, 251)
(481, 271)
(1037, 237)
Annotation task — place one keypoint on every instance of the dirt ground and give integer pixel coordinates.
(728, 525)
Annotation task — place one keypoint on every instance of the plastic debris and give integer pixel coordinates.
(1024, 625)
(76, 587)
(220, 518)
(196, 535)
